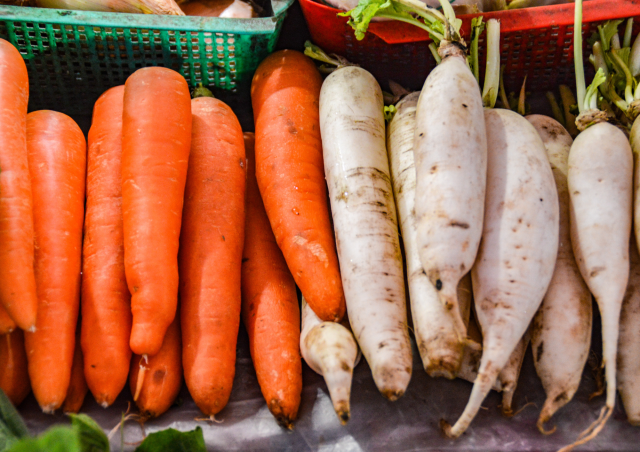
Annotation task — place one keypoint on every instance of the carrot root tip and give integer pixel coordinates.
(104, 404)
(285, 422)
(48, 409)
(140, 379)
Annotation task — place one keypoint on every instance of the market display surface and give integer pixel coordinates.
(168, 274)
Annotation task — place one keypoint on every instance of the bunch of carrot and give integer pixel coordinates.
(165, 179)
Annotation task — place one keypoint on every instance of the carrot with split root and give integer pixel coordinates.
(14, 375)
(270, 309)
(106, 302)
(289, 168)
(57, 163)
(155, 381)
(78, 385)
(210, 256)
(330, 350)
(156, 138)
(17, 280)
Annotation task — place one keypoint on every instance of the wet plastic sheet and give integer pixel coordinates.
(410, 424)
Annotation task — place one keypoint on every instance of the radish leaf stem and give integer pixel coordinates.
(492, 73)
(577, 55)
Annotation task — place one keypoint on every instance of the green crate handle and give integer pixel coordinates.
(154, 21)
(74, 56)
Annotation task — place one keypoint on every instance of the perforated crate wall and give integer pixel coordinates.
(74, 56)
(536, 42)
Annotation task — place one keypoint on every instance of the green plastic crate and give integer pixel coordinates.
(74, 56)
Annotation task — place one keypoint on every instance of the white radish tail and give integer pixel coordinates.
(331, 351)
(629, 341)
(601, 187)
(435, 329)
(450, 149)
(561, 329)
(364, 216)
(507, 380)
(510, 374)
(518, 250)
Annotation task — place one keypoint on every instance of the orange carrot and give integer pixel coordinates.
(17, 280)
(156, 137)
(7, 325)
(57, 162)
(161, 375)
(210, 255)
(78, 385)
(14, 377)
(270, 309)
(285, 94)
(106, 302)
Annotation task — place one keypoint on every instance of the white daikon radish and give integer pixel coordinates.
(561, 329)
(600, 179)
(440, 348)
(634, 140)
(450, 149)
(330, 350)
(364, 216)
(519, 246)
(600, 186)
(629, 341)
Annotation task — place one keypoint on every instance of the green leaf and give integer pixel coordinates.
(477, 27)
(592, 90)
(607, 31)
(12, 427)
(92, 437)
(360, 17)
(56, 439)
(174, 441)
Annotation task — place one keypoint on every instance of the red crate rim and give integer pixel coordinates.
(516, 20)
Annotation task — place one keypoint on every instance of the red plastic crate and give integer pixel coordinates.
(536, 42)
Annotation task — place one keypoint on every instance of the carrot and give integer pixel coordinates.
(270, 309)
(17, 280)
(285, 94)
(156, 137)
(57, 161)
(106, 302)
(161, 375)
(78, 385)
(210, 257)
(7, 325)
(14, 378)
